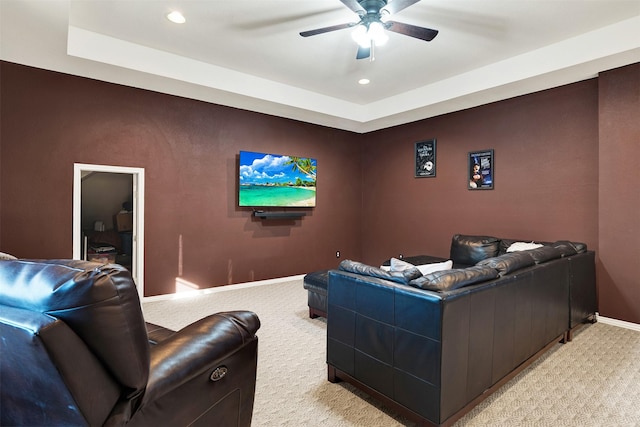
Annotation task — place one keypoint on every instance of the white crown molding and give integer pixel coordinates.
(575, 59)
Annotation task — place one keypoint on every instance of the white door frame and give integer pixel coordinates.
(137, 270)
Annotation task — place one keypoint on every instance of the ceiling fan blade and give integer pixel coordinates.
(395, 6)
(258, 24)
(326, 29)
(426, 34)
(363, 52)
(354, 6)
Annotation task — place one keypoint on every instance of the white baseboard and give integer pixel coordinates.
(603, 319)
(619, 323)
(222, 288)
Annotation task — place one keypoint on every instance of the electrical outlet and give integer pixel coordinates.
(337, 254)
(400, 256)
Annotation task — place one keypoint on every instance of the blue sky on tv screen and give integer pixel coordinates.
(262, 168)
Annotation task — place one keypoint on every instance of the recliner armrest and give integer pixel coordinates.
(196, 348)
(157, 333)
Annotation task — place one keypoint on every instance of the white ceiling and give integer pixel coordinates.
(248, 53)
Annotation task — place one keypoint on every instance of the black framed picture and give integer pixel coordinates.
(481, 170)
(426, 159)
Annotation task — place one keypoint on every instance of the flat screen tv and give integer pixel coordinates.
(275, 180)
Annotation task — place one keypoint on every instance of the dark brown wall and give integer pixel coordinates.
(189, 152)
(564, 169)
(546, 175)
(619, 208)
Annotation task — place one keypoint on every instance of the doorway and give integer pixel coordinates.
(108, 216)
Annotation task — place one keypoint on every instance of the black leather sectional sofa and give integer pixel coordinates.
(432, 347)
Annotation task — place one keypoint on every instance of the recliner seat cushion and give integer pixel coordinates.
(469, 250)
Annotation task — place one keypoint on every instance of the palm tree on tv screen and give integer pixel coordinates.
(304, 165)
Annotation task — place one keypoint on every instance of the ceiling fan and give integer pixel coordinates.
(370, 30)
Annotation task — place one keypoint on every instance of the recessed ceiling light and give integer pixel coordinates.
(176, 17)
(364, 81)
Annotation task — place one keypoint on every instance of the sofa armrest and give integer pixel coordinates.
(196, 348)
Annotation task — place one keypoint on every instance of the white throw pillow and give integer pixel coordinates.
(400, 265)
(397, 265)
(436, 266)
(523, 246)
(6, 256)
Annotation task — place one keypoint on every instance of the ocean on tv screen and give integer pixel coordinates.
(265, 195)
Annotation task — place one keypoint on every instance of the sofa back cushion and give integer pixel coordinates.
(569, 248)
(469, 250)
(403, 276)
(448, 280)
(544, 254)
(509, 262)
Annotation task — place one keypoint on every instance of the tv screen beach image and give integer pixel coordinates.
(273, 180)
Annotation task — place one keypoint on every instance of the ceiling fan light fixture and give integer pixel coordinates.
(360, 36)
(377, 34)
(364, 34)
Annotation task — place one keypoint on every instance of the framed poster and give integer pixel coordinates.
(426, 159)
(481, 170)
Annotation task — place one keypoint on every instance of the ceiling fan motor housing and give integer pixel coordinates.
(373, 7)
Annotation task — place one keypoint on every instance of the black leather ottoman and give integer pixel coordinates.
(316, 285)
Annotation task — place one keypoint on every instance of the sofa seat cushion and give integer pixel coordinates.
(509, 262)
(403, 277)
(448, 280)
(469, 250)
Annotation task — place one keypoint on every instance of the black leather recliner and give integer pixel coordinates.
(74, 350)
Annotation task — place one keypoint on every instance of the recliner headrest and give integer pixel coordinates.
(99, 302)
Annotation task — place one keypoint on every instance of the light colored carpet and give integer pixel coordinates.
(592, 381)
